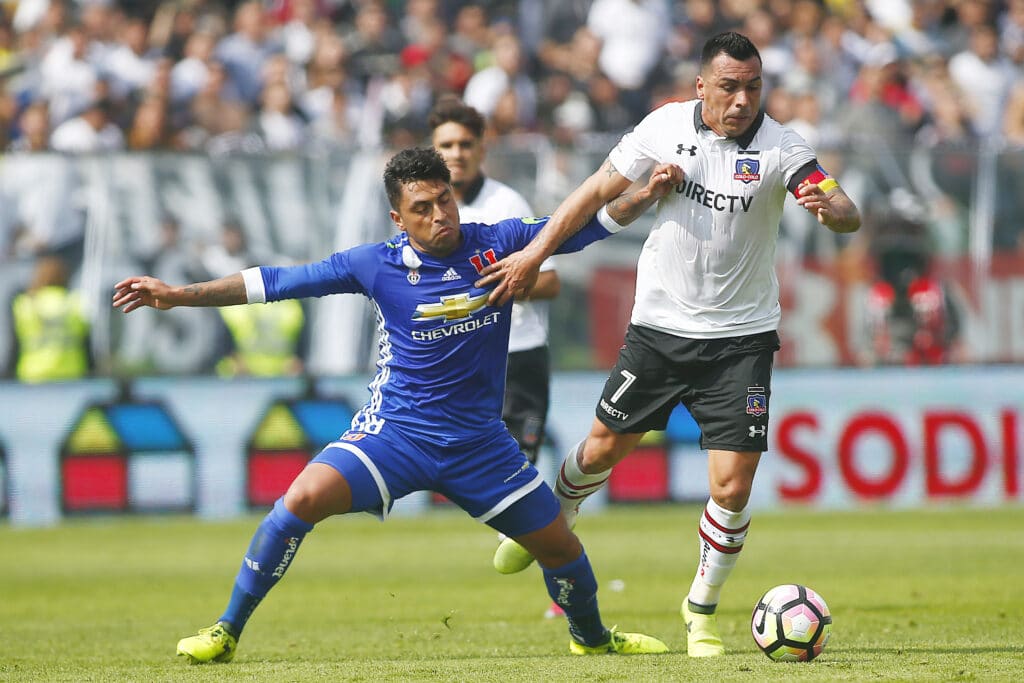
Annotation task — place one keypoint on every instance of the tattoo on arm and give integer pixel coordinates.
(225, 291)
(609, 168)
(627, 207)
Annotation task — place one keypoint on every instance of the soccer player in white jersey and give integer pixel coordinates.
(433, 420)
(457, 133)
(704, 321)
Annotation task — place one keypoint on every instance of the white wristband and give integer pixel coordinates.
(607, 222)
(255, 293)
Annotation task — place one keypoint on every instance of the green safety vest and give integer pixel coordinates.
(52, 334)
(266, 338)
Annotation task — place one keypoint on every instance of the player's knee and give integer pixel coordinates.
(317, 493)
(731, 494)
(600, 455)
(562, 553)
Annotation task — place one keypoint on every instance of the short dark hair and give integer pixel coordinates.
(450, 109)
(416, 163)
(736, 45)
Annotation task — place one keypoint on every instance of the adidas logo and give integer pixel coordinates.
(450, 275)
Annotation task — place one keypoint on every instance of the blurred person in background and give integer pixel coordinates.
(633, 35)
(93, 130)
(245, 51)
(910, 314)
(703, 331)
(457, 133)
(277, 123)
(488, 86)
(987, 75)
(51, 328)
(266, 341)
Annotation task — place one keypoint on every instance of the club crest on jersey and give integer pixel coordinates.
(481, 261)
(747, 170)
(413, 276)
(757, 401)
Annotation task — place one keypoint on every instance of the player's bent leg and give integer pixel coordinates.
(316, 493)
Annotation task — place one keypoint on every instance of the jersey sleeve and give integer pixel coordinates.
(340, 273)
(635, 154)
(513, 234)
(798, 162)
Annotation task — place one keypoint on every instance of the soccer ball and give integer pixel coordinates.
(791, 623)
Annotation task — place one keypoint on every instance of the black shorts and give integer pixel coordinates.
(526, 398)
(724, 383)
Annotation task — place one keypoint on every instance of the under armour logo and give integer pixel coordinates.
(757, 430)
(692, 149)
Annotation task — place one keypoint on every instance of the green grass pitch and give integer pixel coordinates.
(931, 595)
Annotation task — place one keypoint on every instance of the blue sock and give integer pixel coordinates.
(269, 555)
(574, 588)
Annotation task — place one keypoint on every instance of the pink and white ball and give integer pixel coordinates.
(791, 623)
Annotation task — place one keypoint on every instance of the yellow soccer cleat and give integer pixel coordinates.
(702, 639)
(622, 644)
(510, 557)
(212, 644)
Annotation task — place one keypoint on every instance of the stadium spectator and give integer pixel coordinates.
(633, 34)
(151, 127)
(709, 348)
(278, 125)
(245, 51)
(985, 73)
(33, 129)
(393, 444)
(93, 130)
(373, 44)
(68, 80)
(189, 75)
(129, 66)
(486, 87)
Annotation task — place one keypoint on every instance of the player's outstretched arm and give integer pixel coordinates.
(138, 291)
(516, 274)
(833, 208)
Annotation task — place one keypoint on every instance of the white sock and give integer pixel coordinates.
(721, 533)
(573, 486)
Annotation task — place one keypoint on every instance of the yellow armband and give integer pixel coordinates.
(828, 184)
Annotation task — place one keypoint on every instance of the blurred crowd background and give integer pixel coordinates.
(190, 138)
(209, 76)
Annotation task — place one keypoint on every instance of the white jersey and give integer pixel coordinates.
(707, 269)
(496, 201)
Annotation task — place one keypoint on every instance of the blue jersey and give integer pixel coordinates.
(442, 347)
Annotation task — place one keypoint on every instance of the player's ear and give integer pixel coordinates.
(396, 218)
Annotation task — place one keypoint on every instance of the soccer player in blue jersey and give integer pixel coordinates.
(433, 420)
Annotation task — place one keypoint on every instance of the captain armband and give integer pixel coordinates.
(817, 176)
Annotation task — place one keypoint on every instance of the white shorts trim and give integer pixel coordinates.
(506, 502)
(385, 495)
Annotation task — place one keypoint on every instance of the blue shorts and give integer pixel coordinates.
(489, 478)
